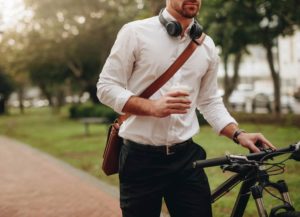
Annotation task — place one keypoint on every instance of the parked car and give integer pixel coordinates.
(287, 103)
(237, 100)
(241, 97)
(263, 102)
(297, 94)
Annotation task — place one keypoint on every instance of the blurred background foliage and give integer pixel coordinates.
(61, 46)
(237, 24)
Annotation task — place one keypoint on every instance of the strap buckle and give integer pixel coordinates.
(169, 151)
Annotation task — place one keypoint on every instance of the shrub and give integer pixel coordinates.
(281, 120)
(201, 119)
(91, 110)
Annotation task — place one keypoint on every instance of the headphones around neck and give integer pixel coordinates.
(174, 28)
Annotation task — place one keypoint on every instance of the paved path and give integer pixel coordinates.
(34, 184)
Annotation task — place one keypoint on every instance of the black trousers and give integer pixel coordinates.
(146, 176)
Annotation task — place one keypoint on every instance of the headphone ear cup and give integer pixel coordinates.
(173, 28)
(196, 31)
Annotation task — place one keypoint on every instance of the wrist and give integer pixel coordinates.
(236, 135)
(152, 108)
(139, 106)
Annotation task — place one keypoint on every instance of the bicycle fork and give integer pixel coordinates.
(282, 188)
(257, 191)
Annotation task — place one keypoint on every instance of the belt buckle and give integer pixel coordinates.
(169, 151)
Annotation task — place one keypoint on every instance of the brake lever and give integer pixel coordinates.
(235, 167)
(296, 154)
(238, 167)
(258, 145)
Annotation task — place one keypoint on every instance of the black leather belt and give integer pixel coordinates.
(165, 149)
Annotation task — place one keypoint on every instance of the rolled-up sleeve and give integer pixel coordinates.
(112, 84)
(210, 103)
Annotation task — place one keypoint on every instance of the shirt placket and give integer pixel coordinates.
(172, 129)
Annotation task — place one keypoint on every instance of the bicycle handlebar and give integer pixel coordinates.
(265, 155)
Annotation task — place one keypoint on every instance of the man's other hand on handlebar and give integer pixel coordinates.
(255, 142)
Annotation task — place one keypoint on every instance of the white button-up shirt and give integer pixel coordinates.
(143, 51)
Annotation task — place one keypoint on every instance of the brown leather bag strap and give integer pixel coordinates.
(160, 81)
(183, 57)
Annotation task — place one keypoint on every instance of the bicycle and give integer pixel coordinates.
(254, 171)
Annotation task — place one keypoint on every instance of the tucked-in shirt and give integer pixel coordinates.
(142, 52)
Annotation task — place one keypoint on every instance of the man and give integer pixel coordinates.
(157, 155)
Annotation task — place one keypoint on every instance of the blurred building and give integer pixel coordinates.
(254, 68)
(289, 61)
(256, 85)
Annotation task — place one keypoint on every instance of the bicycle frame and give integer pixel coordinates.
(254, 179)
(249, 187)
(243, 195)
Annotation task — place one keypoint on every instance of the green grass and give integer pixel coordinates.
(61, 137)
(66, 139)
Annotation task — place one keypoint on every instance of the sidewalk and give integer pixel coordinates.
(34, 184)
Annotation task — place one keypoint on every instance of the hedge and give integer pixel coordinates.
(91, 110)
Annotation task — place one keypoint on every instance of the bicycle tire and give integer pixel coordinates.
(288, 214)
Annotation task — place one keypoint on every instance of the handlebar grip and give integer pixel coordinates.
(211, 162)
(265, 155)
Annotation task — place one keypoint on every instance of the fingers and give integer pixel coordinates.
(173, 103)
(249, 140)
(177, 108)
(266, 143)
(166, 112)
(176, 111)
(177, 98)
(178, 93)
(176, 103)
(253, 148)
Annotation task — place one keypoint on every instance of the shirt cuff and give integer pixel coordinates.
(218, 125)
(121, 101)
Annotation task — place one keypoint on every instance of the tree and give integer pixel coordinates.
(6, 88)
(276, 18)
(13, 61)
(229, 23)
(237, 24)
(63, 46)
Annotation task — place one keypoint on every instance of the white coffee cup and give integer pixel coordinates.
(180, 87)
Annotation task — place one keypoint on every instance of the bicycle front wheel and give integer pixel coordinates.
(288, 214)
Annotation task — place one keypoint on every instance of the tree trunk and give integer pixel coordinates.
(21, 99)
(275, 77)
(92, 90)
(58, 102)
(231, 83)
(236, 69)
(77, 71)
(226, 80)
(47, 94)
(2, 105)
